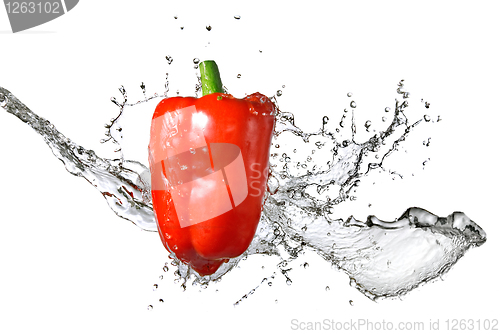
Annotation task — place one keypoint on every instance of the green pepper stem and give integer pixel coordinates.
(210, 78)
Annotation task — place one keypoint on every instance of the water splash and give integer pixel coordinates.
(383, 259)
(118, 180)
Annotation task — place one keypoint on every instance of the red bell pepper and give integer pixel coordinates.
(209, 161)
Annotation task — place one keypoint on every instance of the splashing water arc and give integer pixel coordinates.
(382, 259)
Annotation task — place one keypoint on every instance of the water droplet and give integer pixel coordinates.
(351, 302)
(169, 59)
(237, 17)
(306, 265)
(165, 268)
(155, 287)
(161, 277)
(161, 300)
(175, 17)
(387, 109)
(196, 60)
(353, 104)
(150, 307)
(192, 150)
(349, 94)
(238, 76)
(270, 283)
(279, 93)
(367, 125)
(427, 118)
(327, 288)
(384, 119)
(209, 28)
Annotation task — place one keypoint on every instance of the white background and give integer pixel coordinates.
(70, 265)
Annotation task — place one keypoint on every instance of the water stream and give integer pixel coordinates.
(312, 174)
